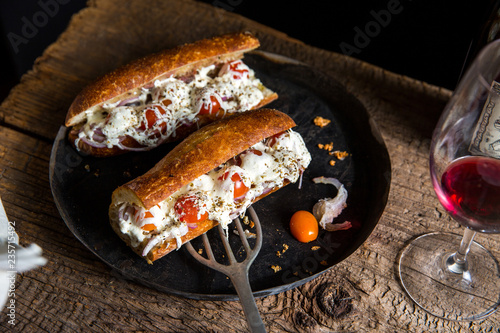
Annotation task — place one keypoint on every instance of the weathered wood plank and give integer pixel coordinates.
(76, 292)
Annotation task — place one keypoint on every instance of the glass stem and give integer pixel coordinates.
(457, 262)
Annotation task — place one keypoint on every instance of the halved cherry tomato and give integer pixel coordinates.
(238, 69)
(152, 118)
(166, 102)
(271, 141)
(211, 107)
(255, 151)
(240, 188)
(148, 227)
(188, 210)
(304, 226)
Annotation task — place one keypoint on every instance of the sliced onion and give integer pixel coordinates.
(128, 101)
(192, 225)
(98, 135)
(267, 190)
(300, 179)
(338, 226)
(152, 242)
(92, 143)
(122, 147)
(121, 211)
(325, 210)
(125, 211)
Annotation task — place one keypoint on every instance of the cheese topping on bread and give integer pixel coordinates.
(154, 114)
(219, 195)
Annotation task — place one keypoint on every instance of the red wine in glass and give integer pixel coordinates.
(470, 192)
(451, 276)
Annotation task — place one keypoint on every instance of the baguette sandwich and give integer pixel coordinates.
(166, 96)
(211, 177)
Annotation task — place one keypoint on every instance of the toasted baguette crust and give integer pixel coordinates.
(178, 61)
(170, 245)
(199, 153)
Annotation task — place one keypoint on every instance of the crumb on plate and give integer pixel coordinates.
(326, 146)
(340, 154)
(276, 268)
(321, 122)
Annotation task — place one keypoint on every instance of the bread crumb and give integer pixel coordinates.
(200, 251)
(280, 253)
(248, 234)
(326, 146)
(341, 155)
(321, 122)
(276, 268)
(332, 162)
(324, 263)
(248, 222)
(315, 248)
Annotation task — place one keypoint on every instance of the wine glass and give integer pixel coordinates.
(448, 275)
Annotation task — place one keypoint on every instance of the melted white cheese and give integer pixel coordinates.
(262, 168)
(180, 104)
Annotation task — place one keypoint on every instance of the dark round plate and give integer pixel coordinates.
(82, 188)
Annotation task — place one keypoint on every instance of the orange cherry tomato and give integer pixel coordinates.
(304, 226)
(271, 141)
(210, 108)
(148, 227)
(240, 189)
(188, 210)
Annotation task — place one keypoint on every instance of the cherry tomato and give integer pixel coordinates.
(210, 108)
(304, 226)
(255, 151)
(166, 102)
(188, 210)
(239, 70)
(152, 118)
(148, 227)
(271, 141)
(240, 188)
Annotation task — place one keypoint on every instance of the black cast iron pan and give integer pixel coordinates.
(82, 188)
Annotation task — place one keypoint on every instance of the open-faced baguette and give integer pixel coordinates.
(222, 169)
(183, 88)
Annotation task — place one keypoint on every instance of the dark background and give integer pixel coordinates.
(427, 40)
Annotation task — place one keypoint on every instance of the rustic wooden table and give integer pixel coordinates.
(76, 292)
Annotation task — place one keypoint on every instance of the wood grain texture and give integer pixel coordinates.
(76, 292)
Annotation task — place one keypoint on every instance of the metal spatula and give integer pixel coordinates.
(237, 271)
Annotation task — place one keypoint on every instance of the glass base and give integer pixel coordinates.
(471, 295)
